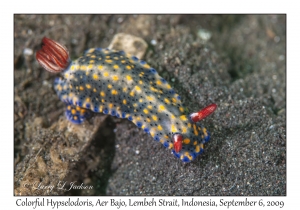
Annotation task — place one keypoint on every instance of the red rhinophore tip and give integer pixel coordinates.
(203, 113)
(177, 139)
(53, 56)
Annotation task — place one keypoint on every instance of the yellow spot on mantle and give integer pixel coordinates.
(195, 130)
(82, 111)
(167, 101)
(186, 141)
(183, 118)
(90, 51)
(205, 131)
(59, 87)
(73, 111)
(197, 149)
(137, 88)
(154, 117)
(115, 78)
(161, 108)
(95, 76)
(128, 78)
(173, 128)
(188, 155)
(149, 98)
(114, 92)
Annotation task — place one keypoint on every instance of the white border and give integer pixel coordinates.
(154, 6)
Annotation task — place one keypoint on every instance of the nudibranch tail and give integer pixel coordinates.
(203, 113)
(53, 56)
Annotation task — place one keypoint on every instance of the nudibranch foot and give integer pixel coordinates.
(76, 114)
(189, 156)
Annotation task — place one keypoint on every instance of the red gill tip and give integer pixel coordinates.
(177, 139)
(53, 56)
(203, 113)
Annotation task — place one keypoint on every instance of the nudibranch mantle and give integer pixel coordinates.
(124, 86)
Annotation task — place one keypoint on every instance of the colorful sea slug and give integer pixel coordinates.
(114, 83)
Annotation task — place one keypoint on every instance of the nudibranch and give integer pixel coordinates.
(112, 82)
